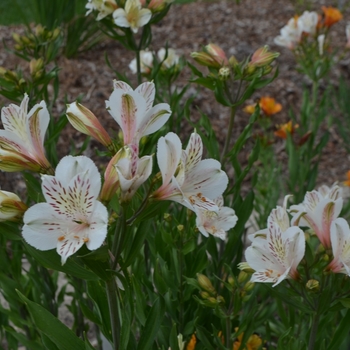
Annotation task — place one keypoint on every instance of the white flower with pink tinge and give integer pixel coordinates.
(22, 141)
(133, 111)
(340, 238)
(216, 223)
(276, 252)
(318, 210)
(187, 179)
(72, 215)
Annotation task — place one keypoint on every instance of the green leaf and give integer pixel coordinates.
(152, 326)
(341, 332)
(51, 260)
(54, 329)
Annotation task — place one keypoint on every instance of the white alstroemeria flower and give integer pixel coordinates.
(133, 111)
(132, 172)
(340, 239)
(290, 35)
(318, 210)
(72, 215)
(133, 16)
(171, 60)
(104, 7)
(276, 256)
(22, 141)
(320, 40)
(307, 22)
(216, 223)
(146, 62)
(187, 179)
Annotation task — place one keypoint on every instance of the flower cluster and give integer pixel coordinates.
(73, 214)
(168, 59)
(309, 24)
(276, 251)
(134, 14)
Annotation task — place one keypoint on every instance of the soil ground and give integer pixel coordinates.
(238, 29)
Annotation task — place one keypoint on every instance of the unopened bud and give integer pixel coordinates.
(56, 32)
(220, 299)
(39, 30)
(204, 295)
(16, 37)
(262, 57)
(35, 66)
(2, 71)
(244, 266)
(313, 285)
(205, 59)
(231, 281)
(249, 286)
(205, 283)
(212, 300)
(267, 70)
(167, 217)
(243, 277)
(232, 61)
(325, 257)
(180, 228)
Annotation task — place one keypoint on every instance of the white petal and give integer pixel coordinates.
(194, 151)
(154, 119)
(169, 151)
(147, 91)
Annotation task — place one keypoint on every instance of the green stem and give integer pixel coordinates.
(111, 289)
(229, 134)
(313, 332)
(228, 332)
(119, 237)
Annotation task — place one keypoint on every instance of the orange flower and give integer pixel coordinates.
(331, 15)
(347, 182)
(192, 343)
(284, 128)
(269, 106)
(254, 342)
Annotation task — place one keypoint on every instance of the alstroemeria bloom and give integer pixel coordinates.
(269, 105)
(290, 34)
(86, 122)
(276, 256)
(171, 60)
(11, 206)
(133, 111)
(284, 129)
(22, 141)
(146, 62)
(132, 172)
(318, 210)
(331, 15)
(133, 16)
(307, 22)
(187, 179)
(104, 7)
(340, 239)
(216, 223)
(72, 215)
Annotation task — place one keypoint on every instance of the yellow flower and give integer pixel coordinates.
(269, 106)
(192, 343)
(249, 109)
(331, 15)
(254, 342)
(284, 128)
